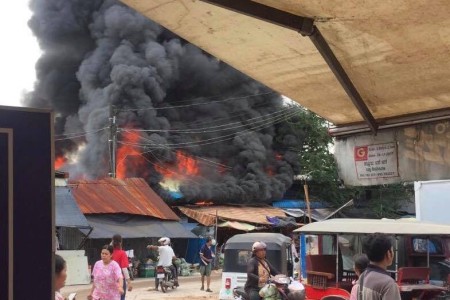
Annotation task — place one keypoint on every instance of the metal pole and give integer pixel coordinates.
(396, 257)
(305, 187)
(337, 260)
(112, 140)
(215, 246)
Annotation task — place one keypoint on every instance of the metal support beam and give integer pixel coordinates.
(306, 27)
(336, 67)
(411, 120)
(264, 13)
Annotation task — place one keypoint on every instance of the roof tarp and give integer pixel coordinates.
(237, 225)
(318, 214)
(394, 52)
(67, 212)
(387, 226)
(206, 215)
(105, 226)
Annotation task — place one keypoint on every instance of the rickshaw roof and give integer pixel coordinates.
(245, 240)
(365, 226)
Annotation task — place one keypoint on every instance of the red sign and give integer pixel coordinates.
(361, 153)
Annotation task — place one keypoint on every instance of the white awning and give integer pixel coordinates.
(365, 226)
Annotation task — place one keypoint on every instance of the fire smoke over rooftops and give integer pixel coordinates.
(177, 107)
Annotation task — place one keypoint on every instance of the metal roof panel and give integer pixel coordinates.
(128, 196)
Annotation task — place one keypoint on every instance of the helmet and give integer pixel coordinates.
(258, 246)
(164, 240)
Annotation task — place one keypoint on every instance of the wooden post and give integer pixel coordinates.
(305, 187)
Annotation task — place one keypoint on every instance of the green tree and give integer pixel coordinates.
(316, 158)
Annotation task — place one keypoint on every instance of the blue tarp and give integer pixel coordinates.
(67, 212)
(297, 203)
(130, 226)
(193, 250)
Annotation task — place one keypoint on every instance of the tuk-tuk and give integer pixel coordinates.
(238, 251)
(420, 248)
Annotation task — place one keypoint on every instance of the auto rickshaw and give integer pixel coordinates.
(238, 251)
(422, 250)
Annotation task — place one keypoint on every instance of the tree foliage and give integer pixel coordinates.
(316, 158)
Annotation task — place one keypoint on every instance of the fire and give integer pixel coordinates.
(129, 160)
(59, 162)
(185, 168)
(204, 203)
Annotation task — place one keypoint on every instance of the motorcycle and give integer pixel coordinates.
(165, 279)
(133, 264)
(279, 287)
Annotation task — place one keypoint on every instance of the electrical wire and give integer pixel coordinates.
(221, 138)
(194, 104)
(81, 134)
(264, 118)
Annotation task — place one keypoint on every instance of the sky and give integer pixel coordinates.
(19, 52)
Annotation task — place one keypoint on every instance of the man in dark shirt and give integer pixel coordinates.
(206, 257)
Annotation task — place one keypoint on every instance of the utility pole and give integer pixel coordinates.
(304, 178)
(112, 141)
(308, 206)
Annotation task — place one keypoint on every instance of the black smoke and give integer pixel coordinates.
(102, 53)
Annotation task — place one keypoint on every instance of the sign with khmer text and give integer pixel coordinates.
(376, 161)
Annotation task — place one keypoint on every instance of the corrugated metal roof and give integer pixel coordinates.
(206, 215)
(128, 196)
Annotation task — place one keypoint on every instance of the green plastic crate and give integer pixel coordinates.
(147, 271)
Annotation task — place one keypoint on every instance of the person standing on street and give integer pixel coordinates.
(108, 279)
(206, 258)
(166, 257)
(375, 283)
(121, 258)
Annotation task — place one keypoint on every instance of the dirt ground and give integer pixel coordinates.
(144, 289)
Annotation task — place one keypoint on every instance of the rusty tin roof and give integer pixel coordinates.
(128, 196)
(206, 215)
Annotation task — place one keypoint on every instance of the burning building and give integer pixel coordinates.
(189, 124)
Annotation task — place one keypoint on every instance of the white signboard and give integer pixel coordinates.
(376, 161)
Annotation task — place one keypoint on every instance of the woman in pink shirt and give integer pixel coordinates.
(108, 279)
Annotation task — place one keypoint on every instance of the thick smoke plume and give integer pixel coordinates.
(102, 53)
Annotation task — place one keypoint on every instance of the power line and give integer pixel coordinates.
(77, 135)
(264, 118)
(221, 138)
(194, 104)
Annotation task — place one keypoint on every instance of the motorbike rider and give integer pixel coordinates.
(166, 256)
(259, 271)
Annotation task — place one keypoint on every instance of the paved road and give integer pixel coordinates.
(143, 289)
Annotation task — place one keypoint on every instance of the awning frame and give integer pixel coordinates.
(305, 26)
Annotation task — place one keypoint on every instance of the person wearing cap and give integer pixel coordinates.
(259, 270)
(166, 256)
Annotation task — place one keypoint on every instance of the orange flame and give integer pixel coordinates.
(59, 162)
(129, 160)
(204, 203)
(185, 166)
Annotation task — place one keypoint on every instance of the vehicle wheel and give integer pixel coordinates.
(163, 286)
